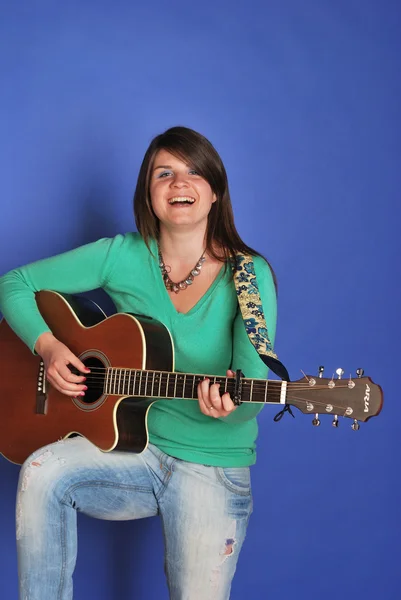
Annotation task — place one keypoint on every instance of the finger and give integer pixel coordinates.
(230, 373)
(62, 385)
(208, 407)
(78, 364)
(203, 390)
(216, 403)
(64, 369)
(62, 390)
(214, 396)
(228, 404)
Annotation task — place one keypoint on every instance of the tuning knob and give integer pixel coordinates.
(335, 422)
(321, 370)
(355, 425)
(340, 373)
(360, 372)
(316, 421)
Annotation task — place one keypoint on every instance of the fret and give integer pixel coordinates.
(193, 386)
(160, 383)
(168, 381)
(265, 400)
(119, 380)
(188, 386)
(172, 385)
(116, 372)
(225, 384)
(129, 382)
(115, 381)
(163, 382)
(153, 383)
(140, 383)
(124, 382)
(106, 384)
(123, 375)
(183, 386)
(146, 383)
(251, 391)
(245, 390)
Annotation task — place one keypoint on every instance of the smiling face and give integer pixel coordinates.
(180, 197)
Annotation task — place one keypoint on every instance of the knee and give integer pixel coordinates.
(39, 468)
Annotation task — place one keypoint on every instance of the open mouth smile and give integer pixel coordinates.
(181, 200)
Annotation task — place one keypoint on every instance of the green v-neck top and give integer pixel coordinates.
(209, 339)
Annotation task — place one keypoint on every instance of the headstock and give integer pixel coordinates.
(358, 399)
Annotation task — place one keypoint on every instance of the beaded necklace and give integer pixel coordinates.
(180, 285)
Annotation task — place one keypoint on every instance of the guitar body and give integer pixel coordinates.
(33, 414)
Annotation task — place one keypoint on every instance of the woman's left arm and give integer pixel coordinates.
(244, 356)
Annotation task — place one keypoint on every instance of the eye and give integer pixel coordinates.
(193, 172)
(163, 174)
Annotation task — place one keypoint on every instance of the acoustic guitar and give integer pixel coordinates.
(131, 359)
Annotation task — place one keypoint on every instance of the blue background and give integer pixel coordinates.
(302, 100)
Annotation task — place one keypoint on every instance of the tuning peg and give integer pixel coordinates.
(335, 422)
(360, 372)
(321, 370)
(340, 373)
(355, 425)
(316, 420)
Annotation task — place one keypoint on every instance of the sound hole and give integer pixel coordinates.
(94, 395)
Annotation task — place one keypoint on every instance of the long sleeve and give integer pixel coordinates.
(82, 269)
(245, 357)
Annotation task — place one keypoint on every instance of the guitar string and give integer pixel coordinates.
(245, 380)
(179, 373)
(258, 385)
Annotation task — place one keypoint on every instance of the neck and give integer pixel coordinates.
(185, 246)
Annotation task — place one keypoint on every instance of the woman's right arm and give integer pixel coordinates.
(85, 268)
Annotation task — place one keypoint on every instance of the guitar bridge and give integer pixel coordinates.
(41, 393)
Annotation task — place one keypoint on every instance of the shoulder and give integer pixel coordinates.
(258, 266)
(265, 280)
(262, 267)
(124, 241)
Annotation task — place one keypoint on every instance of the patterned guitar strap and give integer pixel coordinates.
(251, 307)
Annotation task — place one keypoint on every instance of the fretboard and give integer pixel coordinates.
(164, 384)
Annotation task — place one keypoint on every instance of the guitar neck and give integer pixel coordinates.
(164, 384)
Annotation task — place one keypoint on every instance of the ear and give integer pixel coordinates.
(214, 197)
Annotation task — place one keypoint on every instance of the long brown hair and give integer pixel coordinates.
(222, 238)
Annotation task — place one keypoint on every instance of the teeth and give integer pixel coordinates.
(182, 199)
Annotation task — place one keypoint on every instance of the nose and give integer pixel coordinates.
(179, 181)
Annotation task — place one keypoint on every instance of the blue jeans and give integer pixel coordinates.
(204, 511)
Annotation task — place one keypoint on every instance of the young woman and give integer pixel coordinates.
(195, 471)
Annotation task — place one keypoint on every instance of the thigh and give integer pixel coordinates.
(205, 513)
(107, 485)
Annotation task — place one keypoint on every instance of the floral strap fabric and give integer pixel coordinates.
(252, 313)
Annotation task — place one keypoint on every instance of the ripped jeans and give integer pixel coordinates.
(204, 511)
